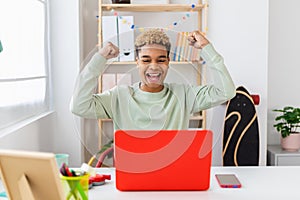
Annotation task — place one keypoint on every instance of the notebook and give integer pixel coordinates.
(162, 159)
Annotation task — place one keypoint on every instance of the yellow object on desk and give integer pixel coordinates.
(75, 187)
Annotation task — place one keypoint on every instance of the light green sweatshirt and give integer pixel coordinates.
(131, 108)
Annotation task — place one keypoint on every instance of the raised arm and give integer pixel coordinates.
(222, 87)
(84, 102)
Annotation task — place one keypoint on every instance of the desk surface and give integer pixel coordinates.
(257, 183)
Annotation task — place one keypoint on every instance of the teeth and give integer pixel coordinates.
(153, 74)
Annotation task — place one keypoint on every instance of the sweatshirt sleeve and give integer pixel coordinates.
(221, 88)
(84, 102)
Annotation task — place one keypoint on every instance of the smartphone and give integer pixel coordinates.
(228, 181)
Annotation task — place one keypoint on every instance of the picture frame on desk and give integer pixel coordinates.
(22, 171)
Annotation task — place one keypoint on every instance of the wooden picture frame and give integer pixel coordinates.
(30, 175)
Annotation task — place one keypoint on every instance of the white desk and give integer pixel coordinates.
(257, 183)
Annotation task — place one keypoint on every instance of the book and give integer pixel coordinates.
(176, 49)
(110, 31)
(183, 51)
(126, 38)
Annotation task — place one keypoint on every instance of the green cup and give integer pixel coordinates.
(75, 187)
(61, 158)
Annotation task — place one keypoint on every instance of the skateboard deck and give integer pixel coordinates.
(241, 131)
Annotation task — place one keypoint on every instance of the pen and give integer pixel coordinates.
(69, 173)
(63, 170)
(91, 160)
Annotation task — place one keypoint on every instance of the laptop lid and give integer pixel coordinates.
(163, 159)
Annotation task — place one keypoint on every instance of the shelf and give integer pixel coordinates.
(192, 118)
(196, 117)
(171, 63)
(152, 7)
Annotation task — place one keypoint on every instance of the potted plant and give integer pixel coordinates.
(288, 124)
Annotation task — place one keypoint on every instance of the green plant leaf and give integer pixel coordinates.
(106, 146)
(288, 120)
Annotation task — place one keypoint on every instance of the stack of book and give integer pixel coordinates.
(183, 51)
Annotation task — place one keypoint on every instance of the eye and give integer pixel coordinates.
(162, 60)
(145, 60)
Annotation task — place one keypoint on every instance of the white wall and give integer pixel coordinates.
(284, 65)
(57, 131)
(32, 137)
(239, 31)
(65, 64)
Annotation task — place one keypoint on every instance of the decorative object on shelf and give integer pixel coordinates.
(288, 124)
(121, 1)
(170, 26)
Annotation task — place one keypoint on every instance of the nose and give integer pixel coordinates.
(153, 67)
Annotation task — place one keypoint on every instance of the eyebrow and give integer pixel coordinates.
(145, 56)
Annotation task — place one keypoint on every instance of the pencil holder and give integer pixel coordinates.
(75, 187)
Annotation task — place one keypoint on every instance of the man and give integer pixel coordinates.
(151, 103)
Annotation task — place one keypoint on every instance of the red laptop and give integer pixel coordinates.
(162, 159)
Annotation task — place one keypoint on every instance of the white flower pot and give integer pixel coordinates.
(291, 142)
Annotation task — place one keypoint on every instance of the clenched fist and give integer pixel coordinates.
(109, 51)
(197, 39)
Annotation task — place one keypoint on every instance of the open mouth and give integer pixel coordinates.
(153, 77)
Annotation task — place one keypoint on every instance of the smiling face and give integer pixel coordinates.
(153, 64)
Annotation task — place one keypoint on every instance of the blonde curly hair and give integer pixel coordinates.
(152, 36)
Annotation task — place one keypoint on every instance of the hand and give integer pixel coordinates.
(109, 51)
(197, 39)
